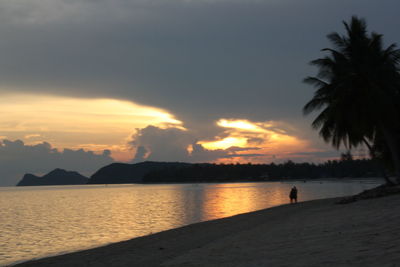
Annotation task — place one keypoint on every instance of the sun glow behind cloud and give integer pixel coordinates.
(240, 124)
(100, 124)
(267, 139)
(94, 124)
(225, 143)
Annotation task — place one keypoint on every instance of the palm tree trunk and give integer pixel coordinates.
(393, 145)
(378, 162)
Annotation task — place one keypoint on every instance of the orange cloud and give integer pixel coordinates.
(265, 138)
(93, 124)
(99, 124)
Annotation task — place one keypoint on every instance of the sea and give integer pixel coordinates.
(37, 222)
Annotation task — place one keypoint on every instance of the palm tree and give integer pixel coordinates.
(358, 90)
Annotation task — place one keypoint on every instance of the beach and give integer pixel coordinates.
(312, 233)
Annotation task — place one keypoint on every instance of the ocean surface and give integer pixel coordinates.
(37, 222)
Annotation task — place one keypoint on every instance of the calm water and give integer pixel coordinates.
(41, 221)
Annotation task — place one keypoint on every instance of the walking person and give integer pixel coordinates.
(293, 195)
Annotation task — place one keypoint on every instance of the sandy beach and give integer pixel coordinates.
(314, 233)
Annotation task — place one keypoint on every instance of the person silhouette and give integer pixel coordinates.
(293, 195)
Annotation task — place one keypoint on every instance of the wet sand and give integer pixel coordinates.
(313, 233)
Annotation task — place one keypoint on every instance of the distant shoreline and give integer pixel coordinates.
(312, 233)
(150, 172)
(288, 180)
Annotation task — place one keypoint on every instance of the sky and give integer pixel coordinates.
(84, 83)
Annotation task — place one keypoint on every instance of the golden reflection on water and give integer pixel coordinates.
(40, 221)
(224, 200)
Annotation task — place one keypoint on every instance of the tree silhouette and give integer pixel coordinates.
(358, 90)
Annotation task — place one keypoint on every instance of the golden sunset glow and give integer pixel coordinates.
(224, 143)
(239, 124)
(99, 124)
(236, 138)
(267, 139)
(93, 124)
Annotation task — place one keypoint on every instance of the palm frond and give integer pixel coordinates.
(314, 104)
(316, 82)
(357, 87)
(337, 40)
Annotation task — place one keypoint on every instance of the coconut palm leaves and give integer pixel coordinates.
(357, 90)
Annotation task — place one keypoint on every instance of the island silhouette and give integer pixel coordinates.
(55, 177)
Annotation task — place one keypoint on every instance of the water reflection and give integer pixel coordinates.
(39, 221)
(223, 201)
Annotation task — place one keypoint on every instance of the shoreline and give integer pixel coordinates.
(282, 180)
(311, 233)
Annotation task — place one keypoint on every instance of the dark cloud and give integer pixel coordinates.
(162, 144)
(237, 149)
(17, 158)
(321, 156)
(316, 156)
(200, 59)
(140, 154)
(172, 144)
(200, 154)
(255, 141)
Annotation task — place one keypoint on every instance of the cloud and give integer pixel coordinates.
(73, 122)
(17, 158)
(174, 144)
(320, 154)
(162, 144)
(237, 149)
(29, 136)
(237, 140)
(140, 155)
(199, 60)
(255, 141)
(271, 137)
(200, 154)
(324, 155)
(238, 58)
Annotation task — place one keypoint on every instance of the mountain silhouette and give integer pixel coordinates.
(55, 177)
(122, 173)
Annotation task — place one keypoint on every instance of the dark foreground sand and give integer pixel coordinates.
(314, 233)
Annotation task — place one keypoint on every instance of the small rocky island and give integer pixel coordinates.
(55, 177)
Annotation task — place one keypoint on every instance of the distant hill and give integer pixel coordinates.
(55, 177)
(123, 173)
(176, 172)
(210, 172)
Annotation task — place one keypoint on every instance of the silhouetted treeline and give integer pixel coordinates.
(206, 172)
